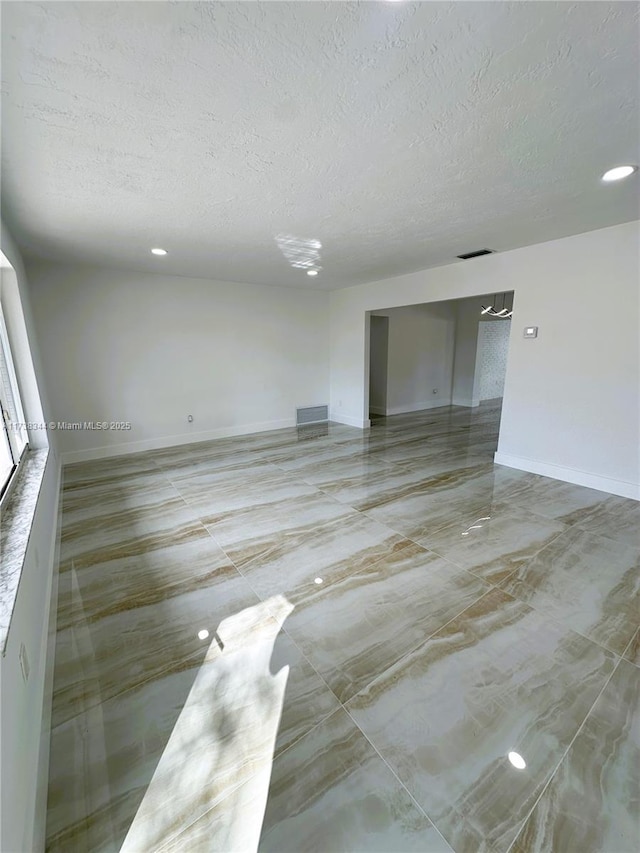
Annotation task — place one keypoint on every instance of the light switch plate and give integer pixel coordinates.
(530, 332)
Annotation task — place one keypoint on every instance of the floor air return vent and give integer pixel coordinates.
(306, 415)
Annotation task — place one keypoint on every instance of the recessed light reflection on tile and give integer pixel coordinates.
(476, 526)
(618, 173)
(202, 635)
(517, 760)
(318, 580)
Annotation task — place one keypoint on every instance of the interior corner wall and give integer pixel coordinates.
(466, 347)
(378, 365)
(571, 400)
(420, 357)
(150, 349)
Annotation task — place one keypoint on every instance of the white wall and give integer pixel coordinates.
(420, 360)
(378, 368)
(571, 406)
(151, 349)
(466, 348)
(25, 707)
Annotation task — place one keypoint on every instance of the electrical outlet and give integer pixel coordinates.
(24, 662)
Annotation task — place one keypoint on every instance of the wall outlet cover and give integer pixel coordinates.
(530, 332)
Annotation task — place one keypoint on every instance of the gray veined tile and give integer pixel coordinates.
(493, 545)
(439, 456)
(217, 492)
(330, 550)
(196, 730)
(107, 498)
(102, 496)
(130, 773)
(424, 509)
(253, 531)
(303, 455)
(592, 803)
(355, 628)
(99, 658)
(617, 518)
(221, 454)
(376, 484)
(335, 476)
(126, 583)
(557, 499)
(329, 792)
(498, 678)
(589, 583)
(632, 652)
(108, 470)
(127, 531)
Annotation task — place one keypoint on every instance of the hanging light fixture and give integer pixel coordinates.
(504, 313)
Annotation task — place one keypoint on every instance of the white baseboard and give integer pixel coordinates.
(171, 441)
(431, 403)
(377, 410)
(570, 475)
(467, 402)
(347, 420)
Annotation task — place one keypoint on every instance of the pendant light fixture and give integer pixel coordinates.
(504, 313)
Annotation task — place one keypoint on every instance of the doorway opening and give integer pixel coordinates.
(444, 358)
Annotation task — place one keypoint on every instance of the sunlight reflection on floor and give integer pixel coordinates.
(225, 733)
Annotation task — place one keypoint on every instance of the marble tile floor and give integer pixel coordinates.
(332, 640)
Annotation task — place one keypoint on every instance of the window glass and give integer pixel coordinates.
(13, 433)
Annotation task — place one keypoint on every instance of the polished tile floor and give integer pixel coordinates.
(332, 640)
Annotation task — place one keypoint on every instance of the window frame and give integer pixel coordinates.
(14, 433)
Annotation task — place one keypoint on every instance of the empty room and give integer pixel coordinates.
(319, 455)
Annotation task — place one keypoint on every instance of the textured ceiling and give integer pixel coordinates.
(397, 135)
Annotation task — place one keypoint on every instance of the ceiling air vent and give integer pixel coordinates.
(477, 254)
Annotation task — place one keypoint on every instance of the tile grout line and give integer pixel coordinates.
(565, 753)
(341, 704)
(421, 643)
(398, 779)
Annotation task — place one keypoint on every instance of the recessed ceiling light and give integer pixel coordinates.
(158, 251)
(619, 173)
(312, 272)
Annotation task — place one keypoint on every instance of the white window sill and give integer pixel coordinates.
(16, 518)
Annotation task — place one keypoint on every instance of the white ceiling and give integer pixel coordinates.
(399, 135)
